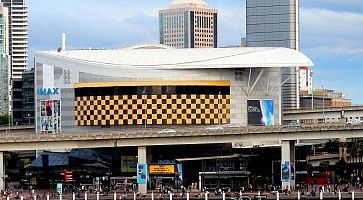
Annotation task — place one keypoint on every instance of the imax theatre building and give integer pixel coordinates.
(157, 87)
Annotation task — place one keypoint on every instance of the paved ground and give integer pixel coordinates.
(193, 196)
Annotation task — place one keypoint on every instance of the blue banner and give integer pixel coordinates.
(285, 171)
(141, 173)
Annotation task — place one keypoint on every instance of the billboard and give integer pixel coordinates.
(141, 173)
(260, 112)
(50, 116)
(162, 169)
(285, 171)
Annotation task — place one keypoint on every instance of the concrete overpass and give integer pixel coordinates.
(243, 136)
(151, 137)
(330, 114)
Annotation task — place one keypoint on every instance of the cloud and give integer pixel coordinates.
(332, 32)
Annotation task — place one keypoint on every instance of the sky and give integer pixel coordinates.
(331, 31)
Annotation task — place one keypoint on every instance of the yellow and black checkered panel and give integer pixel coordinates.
(160, 109)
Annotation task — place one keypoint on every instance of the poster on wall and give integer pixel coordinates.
(50, 116)
(141, 173)
(128, 164)
(260, 112)
(285, 171)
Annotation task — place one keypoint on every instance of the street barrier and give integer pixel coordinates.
(245, 197)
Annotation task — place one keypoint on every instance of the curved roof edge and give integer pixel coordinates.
(162, 57)
(147, 46)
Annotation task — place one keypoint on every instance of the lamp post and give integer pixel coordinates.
(28, 118)
(145, 105)
(219, 121)
(323, 104)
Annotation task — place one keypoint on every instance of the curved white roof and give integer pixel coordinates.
(163, 58)
(188, 3)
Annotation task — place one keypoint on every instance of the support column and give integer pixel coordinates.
(2, 172)
(343, 149)
(142, 169)
(288, 164)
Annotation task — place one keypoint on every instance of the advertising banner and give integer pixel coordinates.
(141, 173)
(180, 171)
(285, 171)
(260, 112)
(162, 169)
(50, 116)
(128, 163)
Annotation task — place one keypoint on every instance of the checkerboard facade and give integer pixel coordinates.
(160, 109)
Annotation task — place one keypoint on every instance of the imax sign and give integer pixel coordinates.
(48, 91)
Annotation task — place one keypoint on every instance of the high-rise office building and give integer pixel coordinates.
(18, 36)
(4, 64)
(16, 48)
(275, 23)
(188, 24)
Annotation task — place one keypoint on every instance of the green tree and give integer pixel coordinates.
(332, 146)
(4, 119)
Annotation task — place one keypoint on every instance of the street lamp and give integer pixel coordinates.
(145, 105)
(323, 104)
(219, 121)
(28, 118)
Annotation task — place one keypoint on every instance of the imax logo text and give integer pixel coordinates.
(48, 91)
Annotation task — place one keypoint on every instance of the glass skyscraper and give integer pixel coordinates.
(275, 23)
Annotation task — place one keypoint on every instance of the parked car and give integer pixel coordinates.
(214, 128)
(294, 125)
(167, 131)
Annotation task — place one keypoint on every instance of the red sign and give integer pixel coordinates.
(68, 176)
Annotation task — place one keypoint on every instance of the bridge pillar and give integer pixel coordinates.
(343, 149)
(142, 169)
(288, 164)
(2, 172)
